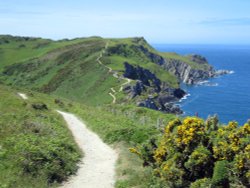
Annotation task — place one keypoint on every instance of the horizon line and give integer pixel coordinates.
(152, 43)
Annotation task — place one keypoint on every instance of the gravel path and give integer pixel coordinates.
(115, 74)
(23, 96)
(97, 169)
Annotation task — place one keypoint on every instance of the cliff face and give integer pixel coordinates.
(186, 73)
(144, 75)
(149, 91)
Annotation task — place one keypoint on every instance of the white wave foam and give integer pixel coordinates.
(203, 82)
(184, 97)
(207, 83)
(212, 84)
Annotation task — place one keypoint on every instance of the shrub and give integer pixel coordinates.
(39, 106)
(55, 158)
(192, 151)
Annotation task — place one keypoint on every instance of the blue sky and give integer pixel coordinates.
(159, 21)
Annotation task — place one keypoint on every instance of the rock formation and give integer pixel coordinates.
(149, 91)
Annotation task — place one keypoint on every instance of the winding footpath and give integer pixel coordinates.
(115, 75)
(97, 169)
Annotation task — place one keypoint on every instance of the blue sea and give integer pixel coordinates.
(227, 96)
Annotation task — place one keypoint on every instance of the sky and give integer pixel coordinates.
(159, 21)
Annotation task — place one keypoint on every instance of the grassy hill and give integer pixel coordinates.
(68, 68)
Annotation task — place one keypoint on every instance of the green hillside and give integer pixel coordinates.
(69, 68)
(18, 49)
(36, 148)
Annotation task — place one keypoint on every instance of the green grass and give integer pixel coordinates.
(70, 72)
(117, 63)
(21, 50)
(68, 68)
(36, 148)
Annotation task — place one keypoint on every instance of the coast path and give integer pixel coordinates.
(23, 96)
(97, 168)
(115, 74)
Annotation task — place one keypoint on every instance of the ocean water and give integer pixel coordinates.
(227, 96)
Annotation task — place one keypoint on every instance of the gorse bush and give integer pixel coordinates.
(199, 153)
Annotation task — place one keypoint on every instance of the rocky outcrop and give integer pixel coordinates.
(188, 74)
(150, 92)
(223, 72)
(144, 75)
(135, 90)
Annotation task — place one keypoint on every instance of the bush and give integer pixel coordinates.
(39, 106)
(193, 151)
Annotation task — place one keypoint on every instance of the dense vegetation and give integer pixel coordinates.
(36, 148)
(199, 153)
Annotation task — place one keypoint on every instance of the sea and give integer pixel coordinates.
(226, 96)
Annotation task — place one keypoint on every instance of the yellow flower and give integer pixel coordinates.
(235, 148)
(247, 148)
(246, 129)
(232, 125)
(133, 150)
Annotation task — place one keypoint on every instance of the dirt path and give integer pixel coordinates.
(127, 82)
(97, 169)
(23, 96)
(115, 74)
(114, 97)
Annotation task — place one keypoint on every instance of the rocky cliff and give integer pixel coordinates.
(187, 73)
(193, 73)
(196, 70)
(149, 91)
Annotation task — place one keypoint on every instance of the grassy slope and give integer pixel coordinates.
(36, 148)
(70, 71)
(69, 68)
(19, 49)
